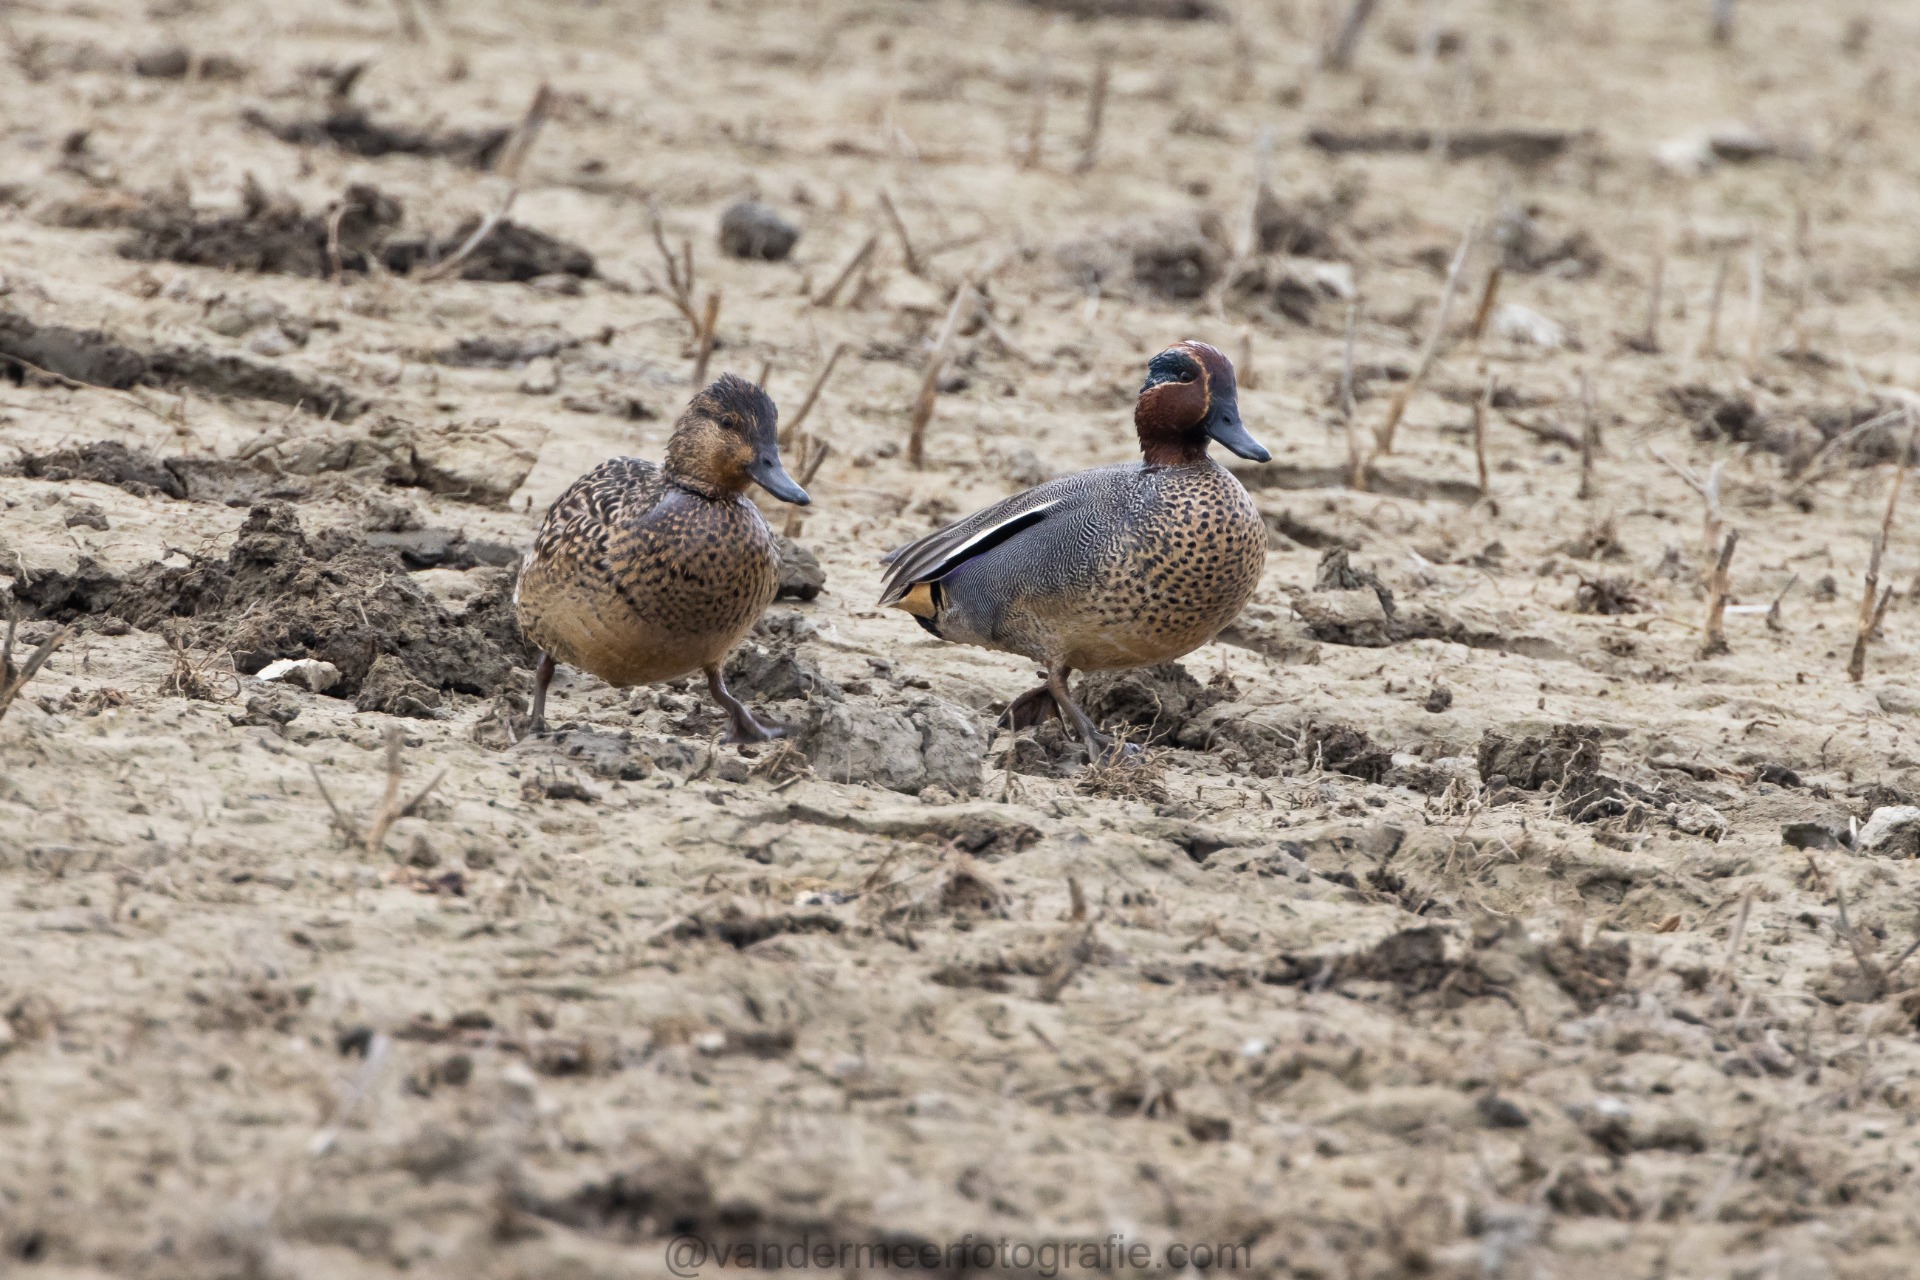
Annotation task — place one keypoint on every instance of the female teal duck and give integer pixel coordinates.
(1116, 567)
(643, 573)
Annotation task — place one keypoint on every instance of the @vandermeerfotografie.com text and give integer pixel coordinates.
(689, 1255)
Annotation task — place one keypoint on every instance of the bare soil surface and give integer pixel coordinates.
(1468, 915)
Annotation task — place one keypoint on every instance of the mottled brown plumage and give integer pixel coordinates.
(1116, 567)
(643, 573)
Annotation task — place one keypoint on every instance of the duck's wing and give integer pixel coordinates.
(944, 550)
(619, 492)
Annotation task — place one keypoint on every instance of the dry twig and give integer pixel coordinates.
(963, 299)
(914, 265)
(860, 255)
(1383, 435)
(1037, 116)
(1714, 634)
(787, 433)
(1480, 408)
(11, 683)
(1873, 609)
(1708, 489)
(704, 352)
(513, 157)
(1710, 344)
(1589, 437)
(1096, 111)
(1484, 312)
(1340, 51)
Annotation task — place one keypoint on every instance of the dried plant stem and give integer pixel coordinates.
(679, 274)
(1096, 111)
(1383, 435)
(384, 816)
(1037, 116)
(1346, 359)
(1708, 489)
(1756, 290)
(1710, 344)
(704, 353)
(1481, 407)
(1739, 932)
(860, 255)
(334, 220)
(1073, 957)
(1899, 476)
(1812, 470)
(813, 394)
(10, 683)
(930, 381)
(1773, 610)
(513, 156)
(1873, 608)
(1589, 437)
(1489, 292)
(493, 218)
(811, 456)
(1340, 52)
(914, 265)
(1246, 374)
(1649, 340)
(1714, 634)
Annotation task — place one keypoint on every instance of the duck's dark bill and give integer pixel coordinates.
(773, 477)
(1227, 430)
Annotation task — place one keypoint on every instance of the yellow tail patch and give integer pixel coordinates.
(919, 601)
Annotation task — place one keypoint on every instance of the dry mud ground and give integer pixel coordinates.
(1504, 935)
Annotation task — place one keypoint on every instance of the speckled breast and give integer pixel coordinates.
(671, 593)
(1184, 570)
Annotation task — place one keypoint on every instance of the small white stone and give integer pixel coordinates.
(308, 673)
(1887, 825)
(543, 377)
(1524, 325)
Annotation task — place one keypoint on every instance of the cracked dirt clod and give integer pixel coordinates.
(280, 594)
(902, 748)
(268, 235)
(1160, 700)
(352, 130)
(99, 359)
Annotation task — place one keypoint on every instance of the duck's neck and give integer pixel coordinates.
(1181, 451)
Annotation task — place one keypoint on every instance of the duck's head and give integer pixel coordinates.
(1189, 398)
(728, 439)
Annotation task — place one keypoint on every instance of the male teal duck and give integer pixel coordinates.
(643, 573)
(1115, 567)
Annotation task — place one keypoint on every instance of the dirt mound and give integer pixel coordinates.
(281, 594)
(99, 359)
(1160, 701)
(268, 235)
(510, 252)
(352, 130)
(275, 236)
(1343, 748)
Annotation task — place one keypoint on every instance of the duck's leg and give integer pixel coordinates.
(1101, 747)
(542, 677)
(745, 727)
(1035, 706)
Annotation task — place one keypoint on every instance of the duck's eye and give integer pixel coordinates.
(1186, 375)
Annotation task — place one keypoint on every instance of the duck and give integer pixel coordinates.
(1110, 568)
(642, 573)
